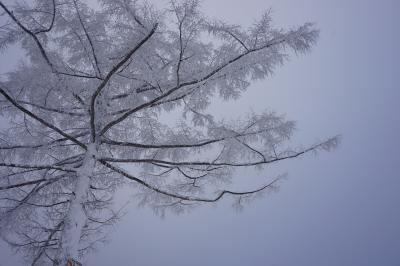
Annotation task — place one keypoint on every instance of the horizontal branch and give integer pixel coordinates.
(187, 145)
(38, 205)
(60, 111)
(35, 146)
(183, 197)
(213, 163)
(159, 146)
(38, 167)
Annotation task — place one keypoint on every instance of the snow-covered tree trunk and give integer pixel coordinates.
(76, 218)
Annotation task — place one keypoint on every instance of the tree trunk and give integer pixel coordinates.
(75, 218)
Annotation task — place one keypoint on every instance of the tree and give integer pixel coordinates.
(85, 115)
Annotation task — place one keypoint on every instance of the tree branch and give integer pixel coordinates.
(23, 184)
(88, 38)
(42, 121)
(185, 84)
(51, 109)
(108, 77)
(183, 197)
(188, 145)
(213, 163)
(29, 32)
(53, 17)
(38, 167)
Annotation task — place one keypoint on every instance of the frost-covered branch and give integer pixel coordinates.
(183, 197)
(40, 120)
(90, 97)
(326, 145)
(29, 32)
(110, 74)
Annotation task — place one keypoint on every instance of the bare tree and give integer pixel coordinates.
(85, 115)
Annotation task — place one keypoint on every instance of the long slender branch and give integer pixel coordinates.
(38, 167)
(51, 109)
(188, 145)
(35, 190)
(184, 197)
(42, 121)
(23, 184)
(88, 38)
(185, 84)
(160, 146)
(181, 51)
(110, 74)
(213, 163)
(85, 76)
(40, 46)
(29, 32)
(53, 17)
(20, 172)
(43, 247)
(236, 38)
(11, 147)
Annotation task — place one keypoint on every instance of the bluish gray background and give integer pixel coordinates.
(338, 208)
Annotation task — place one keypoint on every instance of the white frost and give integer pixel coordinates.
(76, 217)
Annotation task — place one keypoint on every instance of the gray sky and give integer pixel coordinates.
(338, 208)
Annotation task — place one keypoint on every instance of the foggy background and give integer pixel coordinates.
(337, 208)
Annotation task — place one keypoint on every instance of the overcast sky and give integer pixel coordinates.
(339, 208)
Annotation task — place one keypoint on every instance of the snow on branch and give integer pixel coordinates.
(118, 95)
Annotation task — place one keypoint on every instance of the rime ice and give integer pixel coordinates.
(87, 102)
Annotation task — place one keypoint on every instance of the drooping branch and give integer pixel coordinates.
(184, 197)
